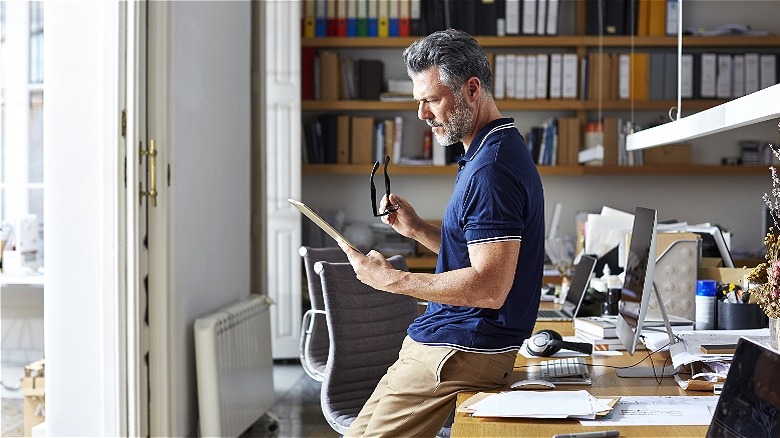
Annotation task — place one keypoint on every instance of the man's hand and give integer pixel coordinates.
(404, 220)
(372, 269)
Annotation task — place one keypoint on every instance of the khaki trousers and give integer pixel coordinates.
(418, 393)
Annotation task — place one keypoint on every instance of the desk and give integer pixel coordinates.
(605, 383)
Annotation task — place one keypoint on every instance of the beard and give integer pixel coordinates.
(457, 126)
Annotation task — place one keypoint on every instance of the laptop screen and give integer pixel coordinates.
(579, 282)
(749, 403)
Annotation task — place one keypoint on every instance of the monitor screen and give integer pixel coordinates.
(638, 283)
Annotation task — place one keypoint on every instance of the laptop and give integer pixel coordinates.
(575, 295)
(749, 405)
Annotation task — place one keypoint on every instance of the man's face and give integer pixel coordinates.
(447, 113)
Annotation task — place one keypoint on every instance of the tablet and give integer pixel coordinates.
(311, 214)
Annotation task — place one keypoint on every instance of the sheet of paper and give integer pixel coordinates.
(659, 411)
(536, 404)
(689, 350)
(605, 232)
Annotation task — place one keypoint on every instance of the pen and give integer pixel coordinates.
(599, 434)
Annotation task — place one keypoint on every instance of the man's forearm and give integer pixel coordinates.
(429, 236)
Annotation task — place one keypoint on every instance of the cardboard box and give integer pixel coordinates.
(33, 386)
(673, 154)
(724, 275)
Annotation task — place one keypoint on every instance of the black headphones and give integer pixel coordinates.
(549, 342)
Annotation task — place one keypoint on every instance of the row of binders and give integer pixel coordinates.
(346, 139)
(631, 17)
(559, 142)
(400, 18)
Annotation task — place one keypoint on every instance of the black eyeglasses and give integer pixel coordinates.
(389, 209)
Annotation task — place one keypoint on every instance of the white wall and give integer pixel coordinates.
(733, 201)
(81, 184)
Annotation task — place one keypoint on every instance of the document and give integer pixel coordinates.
(688, 350)
(659, 411)
(540, 404)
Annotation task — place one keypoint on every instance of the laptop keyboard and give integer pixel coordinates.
(565, 367)
(551, 314)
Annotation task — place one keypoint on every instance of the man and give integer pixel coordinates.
(483, 298)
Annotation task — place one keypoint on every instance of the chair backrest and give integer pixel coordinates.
(367, 328)
(315, 342)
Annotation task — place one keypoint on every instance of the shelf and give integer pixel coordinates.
(450, 170)
(516, 105)
(553, 41)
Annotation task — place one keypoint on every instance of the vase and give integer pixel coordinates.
(774, 333)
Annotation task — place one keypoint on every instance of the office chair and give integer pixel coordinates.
(315, 342)
(366, 328)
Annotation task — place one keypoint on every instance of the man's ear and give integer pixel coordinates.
(473, 85)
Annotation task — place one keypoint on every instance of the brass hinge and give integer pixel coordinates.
(151, 155)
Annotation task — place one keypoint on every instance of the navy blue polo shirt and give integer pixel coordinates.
(497, 197)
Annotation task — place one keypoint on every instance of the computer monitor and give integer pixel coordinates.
(638, 283)
(713, 244)
(637, 288)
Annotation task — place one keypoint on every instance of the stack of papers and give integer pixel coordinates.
(538, 404)
(688, 350)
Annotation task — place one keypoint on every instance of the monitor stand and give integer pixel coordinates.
(655, 371)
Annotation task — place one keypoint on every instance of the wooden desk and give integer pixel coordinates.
(605, 383)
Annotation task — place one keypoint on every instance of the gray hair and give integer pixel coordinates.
(457, 55)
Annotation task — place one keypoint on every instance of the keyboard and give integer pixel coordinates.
(572, 370)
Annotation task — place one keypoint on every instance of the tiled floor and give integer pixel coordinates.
(297, 408)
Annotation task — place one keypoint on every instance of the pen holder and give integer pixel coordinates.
(739, 316)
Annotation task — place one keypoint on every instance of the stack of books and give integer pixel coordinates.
(601, 332)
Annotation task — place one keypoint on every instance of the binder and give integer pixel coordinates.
(624, 76)
(393, 14)
(614, 17)
(371, 73)
(362, 140)
(529, 17)
(542, 73)
(362, 18)
(708, 74)
(320, 19)
(670, 76)
(510, 68)
(671, 17)
(330, 18)
(569, 76)
(343, 126)
(768, 70)
(656, 18)
(307, 72)
(341, 18)
(329, 124)
(352, 18)
(499, 75)
(512, 11)
(415, 18)
(520, 76)
(397, 138)
(723, 79)
(738, 76)
(751, 73)
(329, 75)
(556, 67)
(309, 7)
(486, 18)
(383, 18)
(611, 127)
(404, 25)
(640, 76)
(530, 76)
(464, 16)
(553, 7)
(541, 17)
(643, 18)
(657, 79)
(686, 76)
(373, 18)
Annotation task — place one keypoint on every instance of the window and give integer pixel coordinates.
(21, 113)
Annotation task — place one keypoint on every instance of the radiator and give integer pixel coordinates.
(234, 367)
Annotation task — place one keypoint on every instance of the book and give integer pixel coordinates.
(604, 344)
(330, 77)
(362, 140)
(601, 327)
